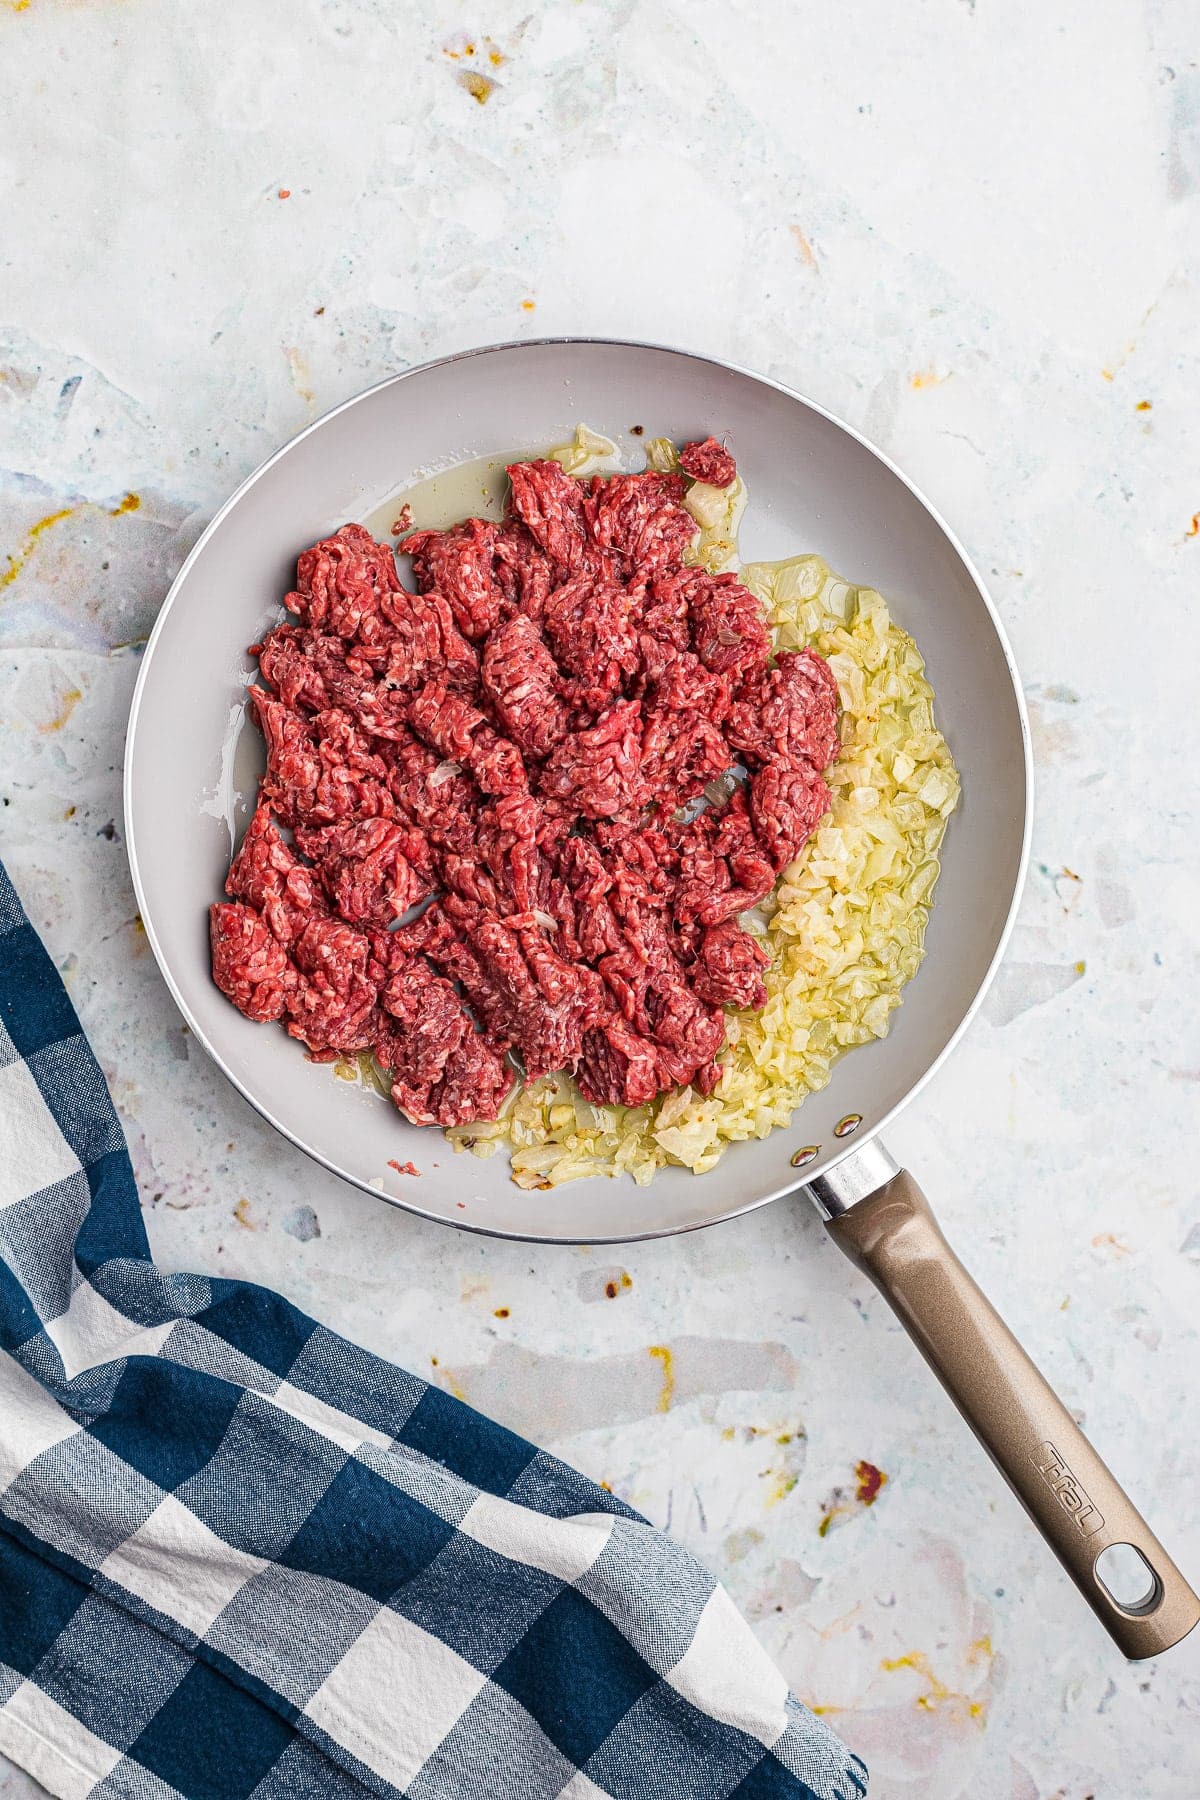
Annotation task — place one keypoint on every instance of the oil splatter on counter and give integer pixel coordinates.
(963, 228)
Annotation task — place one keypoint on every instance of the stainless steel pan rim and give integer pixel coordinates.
(470, 1224)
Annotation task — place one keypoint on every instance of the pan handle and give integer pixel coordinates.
(879, 1217)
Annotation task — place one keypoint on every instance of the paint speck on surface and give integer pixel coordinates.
(842, 1506)
(663, 1354)
(501, 1312)
(782, 1481)
(925, 378)
(807, 254)
(834, 1510)
(66, 396)
(465, 49)
(1144, 405)
(406, 1168)
(1107, 374)
(1110, 1245)
(1193, 529)
(935, 1692)
(299, 372)
(870, 1480)
(16, 559)
(284, 194)
(528, 305)
(66, 707)
(446, 1380)
(1065, 882)
(478, 85)
(241, 1213)
(303, 1224)
(607, 1283)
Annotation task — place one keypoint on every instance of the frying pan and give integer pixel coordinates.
(815, 484)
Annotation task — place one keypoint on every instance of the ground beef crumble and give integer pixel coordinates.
(515, 747)
(710, 462)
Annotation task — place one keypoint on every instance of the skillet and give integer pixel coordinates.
(815, 484)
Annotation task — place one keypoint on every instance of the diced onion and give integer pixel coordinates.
(662, 456)
(718, 513)
(588, 453)
(445, 771)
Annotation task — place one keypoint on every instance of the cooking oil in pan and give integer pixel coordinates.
(473, 489)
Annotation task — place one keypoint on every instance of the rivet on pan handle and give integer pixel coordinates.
(879, 1217)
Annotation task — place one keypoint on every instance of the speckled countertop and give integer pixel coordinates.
(971, 229)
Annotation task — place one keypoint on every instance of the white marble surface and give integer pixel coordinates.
(968, 227)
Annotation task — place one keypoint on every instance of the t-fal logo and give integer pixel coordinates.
(1059, 1479)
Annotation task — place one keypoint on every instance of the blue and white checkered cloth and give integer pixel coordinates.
(241, 1557)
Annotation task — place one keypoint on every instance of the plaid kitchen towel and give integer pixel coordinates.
(241, 1557)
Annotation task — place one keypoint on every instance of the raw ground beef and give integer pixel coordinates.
(249, 965)
(514, 747)
(710, 462)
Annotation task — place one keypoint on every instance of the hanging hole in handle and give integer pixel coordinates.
(1127, 1579)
